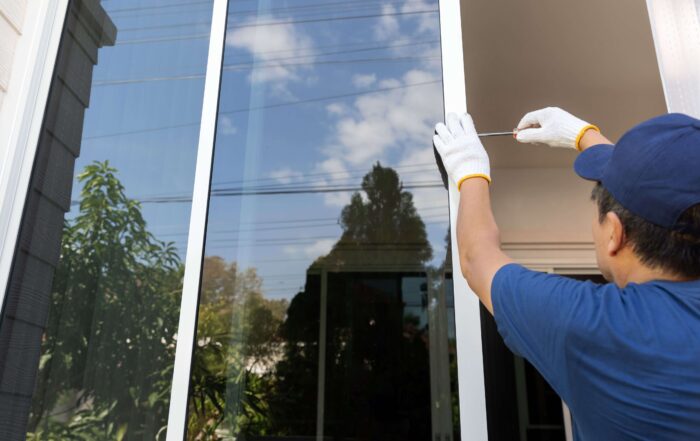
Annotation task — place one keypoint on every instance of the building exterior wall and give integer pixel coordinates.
(11, 21)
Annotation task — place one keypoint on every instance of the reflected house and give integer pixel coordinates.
(383, 349)
(28, 298)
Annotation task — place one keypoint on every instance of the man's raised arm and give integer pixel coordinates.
(467, 164)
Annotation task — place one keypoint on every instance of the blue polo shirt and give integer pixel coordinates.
(626, 361)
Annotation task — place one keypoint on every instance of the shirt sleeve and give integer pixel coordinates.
(536, 313)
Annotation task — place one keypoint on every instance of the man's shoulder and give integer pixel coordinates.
(516, 277)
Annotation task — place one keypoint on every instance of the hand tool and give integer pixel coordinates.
(441, 167)
(487, 134)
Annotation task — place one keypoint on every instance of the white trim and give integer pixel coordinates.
(22, 116)
(675, 27)
(177, 416)
(470, 363)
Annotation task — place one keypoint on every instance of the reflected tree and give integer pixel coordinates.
(377, 369)
(255, 368)
(238, 344)
(380, 225)
(107, 354)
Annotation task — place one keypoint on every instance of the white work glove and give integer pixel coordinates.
(557, 128)
(461, 150)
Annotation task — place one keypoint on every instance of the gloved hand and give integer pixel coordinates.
(461, 150)
(557, 128)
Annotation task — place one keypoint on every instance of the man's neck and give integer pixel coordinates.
(642, 274)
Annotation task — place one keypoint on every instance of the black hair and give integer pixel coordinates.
(677, 252)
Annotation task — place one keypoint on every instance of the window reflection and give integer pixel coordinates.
(326, 306)
(88, 331)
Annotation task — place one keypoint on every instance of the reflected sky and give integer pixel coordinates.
(313, 94)
(145, 106)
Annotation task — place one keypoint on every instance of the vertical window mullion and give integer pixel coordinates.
(472, 394)
(177, 416)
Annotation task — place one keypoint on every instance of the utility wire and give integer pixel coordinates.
(243, 192)
(326, 98)
(281, 22)
(169, 5)
(252, 65)
(302, 7)
(271, 106)
(363, 172)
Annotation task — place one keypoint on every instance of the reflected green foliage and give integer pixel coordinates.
(238, 343)
(109, 346)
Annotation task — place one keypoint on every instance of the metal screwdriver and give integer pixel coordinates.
(488, 134)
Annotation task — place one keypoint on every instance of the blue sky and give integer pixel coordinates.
(313, 93)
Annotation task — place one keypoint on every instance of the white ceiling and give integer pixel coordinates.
(594, 58)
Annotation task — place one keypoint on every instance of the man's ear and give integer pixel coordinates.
(615, 233)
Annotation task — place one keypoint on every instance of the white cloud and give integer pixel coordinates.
(319, 248)
(277, 47)
(336, 109)
(286, 175)
(387, 26)
(335, 170)
(389, 83)
(392, 126)
(427, 23)
(378, 127)
(361, 80)
(395, 119)
(226, 125)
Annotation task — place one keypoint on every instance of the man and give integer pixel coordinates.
(624, 356)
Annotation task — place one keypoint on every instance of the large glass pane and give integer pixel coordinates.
(89, 327)
(326, 309)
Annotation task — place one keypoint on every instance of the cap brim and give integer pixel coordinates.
(593, 161)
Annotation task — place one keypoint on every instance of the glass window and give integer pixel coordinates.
(326, 305)
(89, 326)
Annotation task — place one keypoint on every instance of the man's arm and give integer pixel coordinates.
(467, 164)
(478, 239)
(590, 138)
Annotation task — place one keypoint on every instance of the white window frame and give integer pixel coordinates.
(187, 328)
(675, 26)
(21, 118)
(470, 359)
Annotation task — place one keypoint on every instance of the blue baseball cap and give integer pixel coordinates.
(653, 170)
